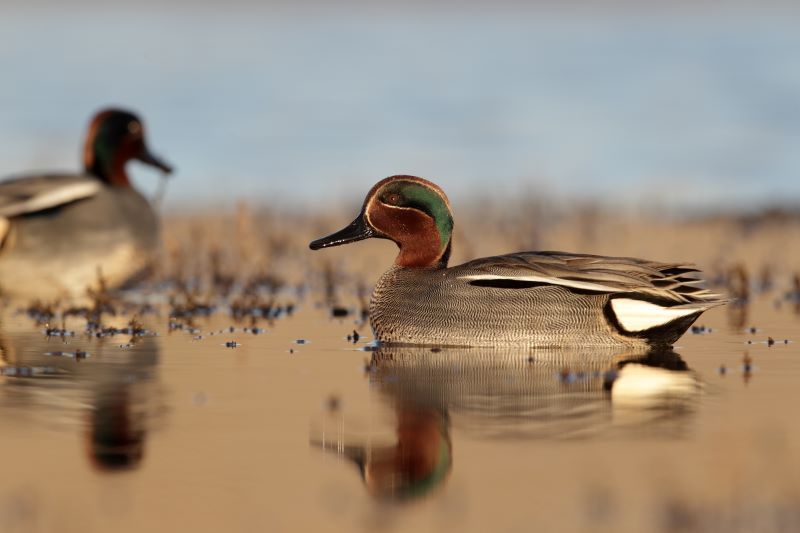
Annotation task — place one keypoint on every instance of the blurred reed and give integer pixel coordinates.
(250, 246)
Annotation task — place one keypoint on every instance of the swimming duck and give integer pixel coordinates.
(525, 298)
(60, 233)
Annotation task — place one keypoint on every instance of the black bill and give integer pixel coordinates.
(149, 159)
(357, 230)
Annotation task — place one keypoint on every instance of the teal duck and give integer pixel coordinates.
(525, 298)
(60, 233)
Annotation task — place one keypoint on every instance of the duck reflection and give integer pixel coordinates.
(116, 433)
(738, 286)
(419, 462)
(553, 393)
(108, 391)
(508, 394)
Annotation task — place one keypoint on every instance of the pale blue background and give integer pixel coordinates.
(681, 107)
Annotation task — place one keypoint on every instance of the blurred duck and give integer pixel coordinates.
(61, 233)
(525, 298)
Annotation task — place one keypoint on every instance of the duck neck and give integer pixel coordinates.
(111, 172)
(425, 252)
(108, 165)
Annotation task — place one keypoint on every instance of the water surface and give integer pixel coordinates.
(179, 431)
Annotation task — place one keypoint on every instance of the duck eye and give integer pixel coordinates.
(134, 127)
(392, 198)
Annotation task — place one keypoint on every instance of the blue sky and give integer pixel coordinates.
(680, 107)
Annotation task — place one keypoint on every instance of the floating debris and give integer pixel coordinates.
(29, 371)
(40, 312)
(770, 342)
(339, 312)
(354, 337)
(78, 355)
(180, 326)
(301, 341)
(58, 332)
(232, 344)
(747, 367)
(701, 330)
(134, 329)
(723, 370)
(191, 310)
(252, 307)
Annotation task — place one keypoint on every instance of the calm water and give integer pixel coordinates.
(299, 428)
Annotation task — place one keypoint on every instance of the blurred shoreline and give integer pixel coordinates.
(251, 241)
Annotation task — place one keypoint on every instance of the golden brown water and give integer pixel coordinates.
(178, 432)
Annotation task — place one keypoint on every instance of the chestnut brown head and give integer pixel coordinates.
(412, 212)
(115, 137)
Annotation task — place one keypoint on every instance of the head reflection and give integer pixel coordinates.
(415, 465)
(116, 432)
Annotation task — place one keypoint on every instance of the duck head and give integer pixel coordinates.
(115, 137)
(412, 212)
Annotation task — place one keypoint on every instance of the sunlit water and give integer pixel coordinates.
(298, 428)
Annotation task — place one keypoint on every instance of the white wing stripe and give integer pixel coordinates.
(638, 315)
(584, 285)
(52, 198)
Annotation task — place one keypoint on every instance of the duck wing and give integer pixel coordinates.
(668, 284)
(29, 194)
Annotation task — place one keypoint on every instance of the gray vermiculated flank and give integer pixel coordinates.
(60, 249)
(435, 306)
(88, 226)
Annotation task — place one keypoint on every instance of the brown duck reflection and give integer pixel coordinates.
(103, 390)
(116, 430)
(519, 394)
(420, 460)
